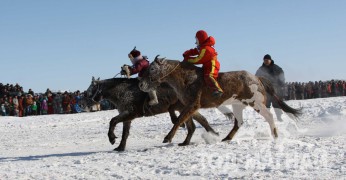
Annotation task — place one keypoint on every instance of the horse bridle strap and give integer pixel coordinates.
(98, 91)
(169, 72)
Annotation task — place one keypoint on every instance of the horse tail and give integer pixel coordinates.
(268, 86)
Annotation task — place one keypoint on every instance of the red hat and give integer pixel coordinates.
(135, 53)
(201, 35)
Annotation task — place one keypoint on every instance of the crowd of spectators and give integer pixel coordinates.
(15, 102)
(317, 89)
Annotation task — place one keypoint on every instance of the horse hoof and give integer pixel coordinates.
(183, 144)
(216, 133)
(119, 149)
(166, 141)
(226, 139)
(112, 141)
(275, 133)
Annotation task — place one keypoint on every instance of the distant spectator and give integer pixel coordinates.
(3, 110)
(66, 103)
(20, 106)
(44, 106)
(34, 108)
(50, 104)
(31, 92)
(57, 105)
(29, 102)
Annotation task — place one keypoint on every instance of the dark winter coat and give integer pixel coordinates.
(274, 74)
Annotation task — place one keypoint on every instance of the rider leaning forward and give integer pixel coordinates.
(206, 55)
(139, 65)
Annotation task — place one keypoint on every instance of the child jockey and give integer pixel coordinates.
(207, 56)
(139, 65)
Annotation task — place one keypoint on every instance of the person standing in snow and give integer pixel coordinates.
(139, 65)
(276, 76)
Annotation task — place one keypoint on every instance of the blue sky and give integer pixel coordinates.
(61, 44)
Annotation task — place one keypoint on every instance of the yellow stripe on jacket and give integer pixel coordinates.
(198, 58)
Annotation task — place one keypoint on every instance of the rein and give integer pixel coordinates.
(169, 72)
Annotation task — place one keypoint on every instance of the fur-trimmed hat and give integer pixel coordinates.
(267, 56)
(135, 53)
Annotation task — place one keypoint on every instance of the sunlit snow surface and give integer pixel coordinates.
(76, 147)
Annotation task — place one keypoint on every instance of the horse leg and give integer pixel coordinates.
(173, 116)
(124, 116)
(238, 121)
(191, 127)
(268, 116)
(226, 111)
(187, 112)
(203, 121)
(126, 132)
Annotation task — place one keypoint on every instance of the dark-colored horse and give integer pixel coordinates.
(132, 103)
(241, 89)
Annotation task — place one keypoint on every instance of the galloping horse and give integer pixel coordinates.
(241, 89)
(132, 103)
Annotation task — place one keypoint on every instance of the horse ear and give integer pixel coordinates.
(161, 61)
(93, 78)
(98, 79)
(156, 57)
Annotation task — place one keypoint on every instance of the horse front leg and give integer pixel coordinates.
(183, 117)
(124, 116)
(126, 132)
(173, 116)
(191, 127)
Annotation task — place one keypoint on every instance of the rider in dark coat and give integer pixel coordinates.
(276, 76)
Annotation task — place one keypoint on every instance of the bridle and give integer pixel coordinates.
(165, 75)
(98, 91)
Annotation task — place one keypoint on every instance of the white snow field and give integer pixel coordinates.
(76, 147)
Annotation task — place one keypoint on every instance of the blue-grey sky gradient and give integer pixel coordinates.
(61, 44)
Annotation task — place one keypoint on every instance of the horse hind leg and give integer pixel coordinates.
(233, 131)
(191, 127)
(238, 121)
(203, 121)
(268, 116)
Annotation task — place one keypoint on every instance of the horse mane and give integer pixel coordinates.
(119, 80)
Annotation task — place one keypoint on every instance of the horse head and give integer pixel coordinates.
(94, 91)
(159, 69)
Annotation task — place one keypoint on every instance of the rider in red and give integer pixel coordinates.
(205, 54)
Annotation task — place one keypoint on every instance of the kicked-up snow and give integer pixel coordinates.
(76, 147)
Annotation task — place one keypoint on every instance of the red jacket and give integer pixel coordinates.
(206, 55)
(139, 67)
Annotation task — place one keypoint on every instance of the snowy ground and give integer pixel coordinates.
(76, 147)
